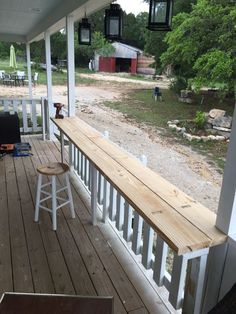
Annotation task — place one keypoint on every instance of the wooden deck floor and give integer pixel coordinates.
(76, 259)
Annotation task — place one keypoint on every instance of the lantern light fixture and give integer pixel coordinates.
(84, 32)
(113, 22)
(160, 15)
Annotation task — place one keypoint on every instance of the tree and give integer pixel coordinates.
(202, 45)
(155, 43)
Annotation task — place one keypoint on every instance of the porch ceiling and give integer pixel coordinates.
(27, 20)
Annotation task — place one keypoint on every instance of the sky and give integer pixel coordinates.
(133, 6)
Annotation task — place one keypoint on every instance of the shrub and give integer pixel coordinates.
(178, 84)
(200, 119)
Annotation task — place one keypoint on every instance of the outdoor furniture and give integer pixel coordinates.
(16, 303)
(8, 80)
(2, 73)
(9, 128)
(157, 94)
(34, 79)
(53, 170)
(20, 78)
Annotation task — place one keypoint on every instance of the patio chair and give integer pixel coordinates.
(20, 78)
(8, 81)
(34, 79)
(2, 73)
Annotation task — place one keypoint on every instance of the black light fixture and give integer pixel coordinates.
(160, 15)
(113, 22)
(84, 32)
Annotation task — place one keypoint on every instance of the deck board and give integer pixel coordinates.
(76, 259)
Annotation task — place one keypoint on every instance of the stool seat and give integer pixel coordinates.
(53, 169)
(55, 187)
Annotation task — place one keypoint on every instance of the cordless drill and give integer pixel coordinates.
(58, 107)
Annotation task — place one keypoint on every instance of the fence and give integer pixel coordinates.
(31, 113)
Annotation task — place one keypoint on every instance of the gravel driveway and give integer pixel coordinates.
(178, 164)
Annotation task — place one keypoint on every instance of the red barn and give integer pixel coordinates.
(125, 59)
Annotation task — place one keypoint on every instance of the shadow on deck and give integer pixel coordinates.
(78, 258)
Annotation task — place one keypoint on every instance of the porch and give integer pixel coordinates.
(78, 258)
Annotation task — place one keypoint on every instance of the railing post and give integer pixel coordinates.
(70, 65)
(49, 81)
(194, 284)
(29, 69)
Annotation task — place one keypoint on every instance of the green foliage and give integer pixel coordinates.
(179, 83)
(200, 119)
(202, 45)
(155, 43)
(101, 45)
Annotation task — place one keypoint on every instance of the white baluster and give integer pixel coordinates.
(112, 203)
(147, 246)
(137, 233)
(160, 261)
(128, 222)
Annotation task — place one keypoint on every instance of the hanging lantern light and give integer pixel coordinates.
(84, 32)
(113, 22)
(160, 15)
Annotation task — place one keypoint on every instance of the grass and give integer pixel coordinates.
(141, 107)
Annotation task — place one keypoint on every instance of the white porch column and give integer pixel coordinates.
(70, 65)
(49, 82)
(29, 69)
(226, 216)
(222, 258)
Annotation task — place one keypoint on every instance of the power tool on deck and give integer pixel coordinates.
(58, 107)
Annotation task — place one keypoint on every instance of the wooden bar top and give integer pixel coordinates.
(183, 223)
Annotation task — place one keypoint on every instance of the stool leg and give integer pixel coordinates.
(54, 204)
(39, 184)
(72, 210)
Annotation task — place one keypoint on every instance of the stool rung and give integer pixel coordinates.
(62, 199)
(63, 204)
(45, 199)
(45, 184)
(45, 192)
(45, 208)
(62, 189)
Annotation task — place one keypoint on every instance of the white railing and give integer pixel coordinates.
(31, 113)
(183, 276)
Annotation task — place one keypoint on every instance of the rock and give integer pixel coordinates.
(186, 93)
(221, 129)
(205, 138)
(185, 99)
(172, 126)
(212, 131)
(196, 138)
(183, 130)
(220, 138)
(178, 129)
(225, 134)
(216, 113)
(222, 122)
(211, 137)
(188, 136)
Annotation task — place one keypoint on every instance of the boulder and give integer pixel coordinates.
(222, 122)
(186, 93)
(216, 113)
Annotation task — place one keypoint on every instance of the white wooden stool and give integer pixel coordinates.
(53, 170)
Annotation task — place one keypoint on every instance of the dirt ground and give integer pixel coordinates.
(176, 163)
